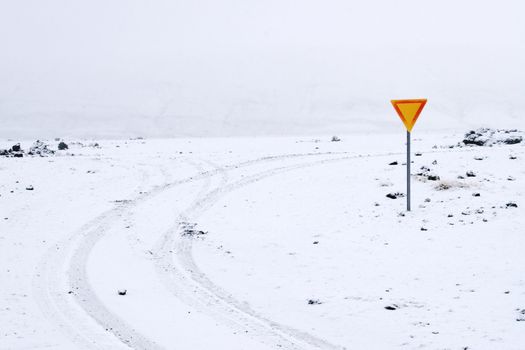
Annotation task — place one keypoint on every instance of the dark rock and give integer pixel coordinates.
(314, 302)
(424, 229)
(418, 154)
(470, 173)
(30, 188)
(513, 140)
(188, 229)
(122, 292)
(62, 146)
(392, 307)
(427, 174)
(489, 137)
(335, 139)
(393, 163)
(395, 195)
(475, 138)
(476, 194)
(511, 205)
(521, 316)
(316, 242)
(16, 148)
(424, 170)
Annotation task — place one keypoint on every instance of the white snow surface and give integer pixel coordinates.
(300, 247)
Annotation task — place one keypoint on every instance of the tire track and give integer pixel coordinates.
(103, 329)
(183, 278)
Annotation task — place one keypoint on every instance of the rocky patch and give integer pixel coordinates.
(490, 137)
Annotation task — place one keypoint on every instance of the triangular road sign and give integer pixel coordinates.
(409, 110)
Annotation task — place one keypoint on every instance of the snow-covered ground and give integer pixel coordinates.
(263, 243)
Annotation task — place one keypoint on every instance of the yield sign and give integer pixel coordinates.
(409, 110)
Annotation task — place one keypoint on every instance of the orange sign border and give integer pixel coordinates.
(423, 102)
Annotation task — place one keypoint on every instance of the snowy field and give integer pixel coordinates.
(263, 243)
(196, 200)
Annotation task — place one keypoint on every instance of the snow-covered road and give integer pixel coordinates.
(262, 243)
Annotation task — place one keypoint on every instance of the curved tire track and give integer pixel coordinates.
(92, 333)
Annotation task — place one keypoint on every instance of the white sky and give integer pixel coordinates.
(119, 67)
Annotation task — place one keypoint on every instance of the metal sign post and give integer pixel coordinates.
(408, 170)
(408, 111)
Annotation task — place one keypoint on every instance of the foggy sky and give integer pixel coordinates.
(173, 68)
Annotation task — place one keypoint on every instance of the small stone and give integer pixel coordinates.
(335, 139)
(434, 162)
(511, 178)
(521, 316)
(314, 302)
(16, 148)
(316, 242)
(30, 188)
(424, 229)
(419, 154)
(122, 292)
(513, 157)
(62, 146)
(395, 195)
(476, 194)
(511, 205)
(427, 200)
(391, 307)
(470, 173)
(393, 163)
